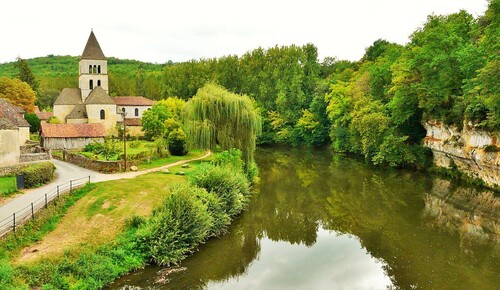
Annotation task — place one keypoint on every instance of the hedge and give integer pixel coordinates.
(37, 174)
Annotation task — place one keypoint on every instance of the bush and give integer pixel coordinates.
(215, 208)
(34, 122)
(176, 228)
(177, 142)
(229, 185)
(38, 174)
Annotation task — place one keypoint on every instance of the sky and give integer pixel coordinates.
(158, 31)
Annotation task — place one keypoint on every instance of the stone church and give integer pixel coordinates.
(90, 103)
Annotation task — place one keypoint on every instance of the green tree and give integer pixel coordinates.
(26, 74)
(34, 122)
(215, 117)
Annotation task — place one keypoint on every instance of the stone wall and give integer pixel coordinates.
(11, 170)
(31, 157)
(96, 165)
(473, 151)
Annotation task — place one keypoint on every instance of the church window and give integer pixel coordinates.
(91, 84)
(98, 69)
(103, 115)
(90, 69)
(98, 83)
(136, 112)
(95, 69)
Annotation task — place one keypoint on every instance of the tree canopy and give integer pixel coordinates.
(18, 93)
(216, 117)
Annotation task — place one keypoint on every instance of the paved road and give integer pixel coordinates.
(64, 173)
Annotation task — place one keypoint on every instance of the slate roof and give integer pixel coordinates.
(69, 96)
(93, 49)
(132, 101)
(99, 96)
(78, 112)
(94, 130)
(11, 116)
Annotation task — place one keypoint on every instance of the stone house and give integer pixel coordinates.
(14, 132)
(133, 108)
(71, 136)
(90, 103)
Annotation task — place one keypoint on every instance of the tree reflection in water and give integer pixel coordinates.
(391, 212)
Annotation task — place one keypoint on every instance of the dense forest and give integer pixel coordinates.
(447, 72)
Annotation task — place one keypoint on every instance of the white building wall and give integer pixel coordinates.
(130, 111)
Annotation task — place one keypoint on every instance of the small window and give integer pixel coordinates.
(123, 110)
(136, 112)
(103, 115)
(98, 69)
(90, 69)
(91, 84)
(98, 83)
(95, 69)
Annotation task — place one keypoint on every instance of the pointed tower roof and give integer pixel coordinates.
(93, 49)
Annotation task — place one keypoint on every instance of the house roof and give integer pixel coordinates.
(99, 96)
(133, 122)
(78, 112)
(132, 101)
(94, 130)
(69, 96)
(11, 116)
(44, 115)
(93, 49)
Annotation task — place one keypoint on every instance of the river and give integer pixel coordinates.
(327, 221)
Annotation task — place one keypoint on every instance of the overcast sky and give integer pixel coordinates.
(157, 31)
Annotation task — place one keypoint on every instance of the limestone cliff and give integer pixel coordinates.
(475, 152)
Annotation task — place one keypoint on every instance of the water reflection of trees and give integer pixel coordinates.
(302, 191)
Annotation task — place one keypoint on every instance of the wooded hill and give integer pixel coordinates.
(448, 72)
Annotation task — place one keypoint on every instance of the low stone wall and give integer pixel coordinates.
(466, 149)
(13, 169)
(96, 165)
(34, 157)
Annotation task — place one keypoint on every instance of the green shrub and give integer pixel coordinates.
(229, 185)
(177, 142)
(38, 174)
(176, 228)
(215, 208)
(134, 144)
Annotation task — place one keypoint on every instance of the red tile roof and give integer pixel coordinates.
(133, 122)
(44, 115)
(132, 101)
(73, 130)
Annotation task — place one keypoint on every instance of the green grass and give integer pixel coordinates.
(7, 186)
(171, 159)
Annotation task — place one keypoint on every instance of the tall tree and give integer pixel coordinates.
(216, 117)
(26, 74)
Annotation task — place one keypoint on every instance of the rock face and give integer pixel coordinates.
(473, 151)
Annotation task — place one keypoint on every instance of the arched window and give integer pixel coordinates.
(98, 69)
(91, 84)
(103, 114)
(98, 83)
(95, 69)
(123, 110)
(136, 112)
(90, 69)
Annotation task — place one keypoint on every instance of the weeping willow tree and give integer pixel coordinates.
(216, 117)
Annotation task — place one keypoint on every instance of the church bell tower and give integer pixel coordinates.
(93, 68)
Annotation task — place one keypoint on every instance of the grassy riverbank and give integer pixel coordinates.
(105, 230)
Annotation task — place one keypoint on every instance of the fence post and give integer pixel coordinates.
(70, 185)
(14, 219)
(32, 212)
(89, 179)
(45, 200)
(58, 191)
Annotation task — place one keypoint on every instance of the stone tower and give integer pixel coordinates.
(93, 68)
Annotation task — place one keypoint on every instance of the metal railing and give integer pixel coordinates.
(12, 222)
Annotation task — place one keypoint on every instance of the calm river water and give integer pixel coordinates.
(323, 221)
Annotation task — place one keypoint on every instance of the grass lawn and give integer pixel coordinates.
(7, 186)
(101, 215)
(164, 161)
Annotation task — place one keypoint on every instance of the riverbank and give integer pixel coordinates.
(91, 237)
